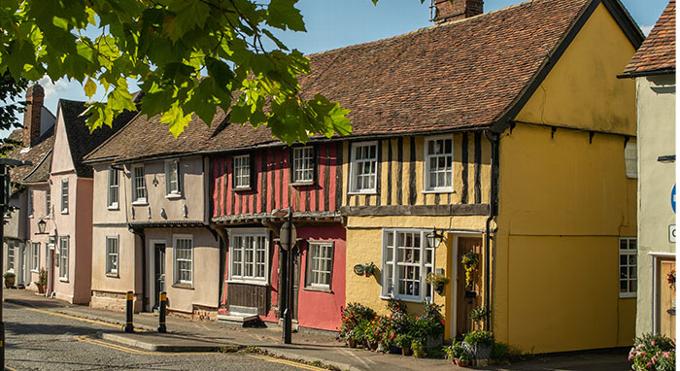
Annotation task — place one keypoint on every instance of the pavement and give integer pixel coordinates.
(311, 348)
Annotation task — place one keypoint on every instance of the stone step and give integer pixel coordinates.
(238, 318)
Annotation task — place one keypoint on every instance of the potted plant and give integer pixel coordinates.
(478, 316)
(404, 342)
(652, 352)
(353, 318)
(42, 281)
(438, 281)
(481, 343)
(10, 279)
(418, 348)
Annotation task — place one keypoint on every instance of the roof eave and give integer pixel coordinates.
(657, 72)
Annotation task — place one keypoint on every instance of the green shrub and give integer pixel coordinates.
(652, 353)
(458, 350)
(352, 315)
(479, 337)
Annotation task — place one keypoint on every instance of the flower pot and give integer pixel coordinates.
(9, 281)
(407, 351)
(461, 362)
(41, 289)
(482, 351)
(351, 343)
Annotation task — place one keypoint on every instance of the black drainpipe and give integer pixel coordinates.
(494, 138)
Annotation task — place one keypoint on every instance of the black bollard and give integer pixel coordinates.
(161, 313)
(129, 328)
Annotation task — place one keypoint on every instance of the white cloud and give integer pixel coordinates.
(646, 29)
(51, 88)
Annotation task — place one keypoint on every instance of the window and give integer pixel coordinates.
(319, 265)
(138, 184)
(364, 167)
(249, 257)
(64, 196)
(242, 172)
(48, 202)
(630, 158)
(183, 260)
(303, 165)
(31, 208)
(63, 258)
(439, 164)
(112, 255)
(407, 259)
(35, 256)
(172, 183)
(627, 267)
(114, 186)
(10, 256)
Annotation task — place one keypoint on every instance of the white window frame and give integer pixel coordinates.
(428, 186)
(630, 156)
(426, 290)
(254, 233)
(113, 189)
(170, 189)
(304, 163)
(315, 270)
(175, 266)
(238, 169)
(110, 271)
(628, 253)
(354, 165)
(137, 199)
(64, 258)
(35, 256)
(64, 196)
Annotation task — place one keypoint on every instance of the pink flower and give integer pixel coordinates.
(666, 355)
(653, 342)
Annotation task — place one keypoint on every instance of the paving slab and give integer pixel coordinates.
(168, 342)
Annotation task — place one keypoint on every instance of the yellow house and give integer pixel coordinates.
(506, 133)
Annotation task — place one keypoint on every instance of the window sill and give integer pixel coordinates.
(140, 203)
(35, 271)
(326, 290)
(113, 208)
(302, 184)
(174, 196)
(248, 282)
(366, 193)
(112, 275)
(627, 295)
(406, 299)
(63, 280)
(64, 212)
(243, 189)
(436, 191)
(184, 286)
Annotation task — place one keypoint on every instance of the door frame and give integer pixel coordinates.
(151, 270)
(657, 257)
(454, 275)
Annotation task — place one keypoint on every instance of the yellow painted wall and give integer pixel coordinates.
(582, 90)
(564, 202)
(387, 195)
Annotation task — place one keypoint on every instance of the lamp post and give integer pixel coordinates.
(5, 164)
(287, 238)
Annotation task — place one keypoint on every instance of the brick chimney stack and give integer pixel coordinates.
(452, 10)
(35, 97)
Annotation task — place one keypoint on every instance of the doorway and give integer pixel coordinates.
(666, 297)
(467, 295)
(158, 272)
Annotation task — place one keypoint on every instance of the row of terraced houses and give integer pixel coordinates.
(511, 133)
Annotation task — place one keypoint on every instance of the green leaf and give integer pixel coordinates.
(284, 15)
(176, 120)
(90, 88)
(190, 14)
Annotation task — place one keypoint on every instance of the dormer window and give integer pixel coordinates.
(242, 172)
(172, 178)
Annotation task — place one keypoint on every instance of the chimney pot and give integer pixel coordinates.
(35, 97)
(451, 10)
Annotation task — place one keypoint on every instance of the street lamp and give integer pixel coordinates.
(435, 238)
(287, 240)
(5, 164)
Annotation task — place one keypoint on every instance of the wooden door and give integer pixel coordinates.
(467, 297)
(159, 272)
(666, 299)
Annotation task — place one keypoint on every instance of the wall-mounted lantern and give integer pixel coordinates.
(435, 238)
(42, 224)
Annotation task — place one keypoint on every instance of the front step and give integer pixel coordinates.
(242, 316)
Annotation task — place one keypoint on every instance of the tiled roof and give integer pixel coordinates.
(81, 141)
(457, 75)
(35, 154)
(657, 53)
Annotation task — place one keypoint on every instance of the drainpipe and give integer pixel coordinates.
(494, 138)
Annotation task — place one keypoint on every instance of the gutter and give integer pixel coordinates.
(494, 138)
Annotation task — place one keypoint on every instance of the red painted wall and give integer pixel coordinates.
(272, 189)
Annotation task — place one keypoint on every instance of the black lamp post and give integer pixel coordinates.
(5, 164)
(287, 240)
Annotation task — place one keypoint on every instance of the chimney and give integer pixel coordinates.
(35, 96)
(453, 10)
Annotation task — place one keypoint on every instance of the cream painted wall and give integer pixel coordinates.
(564, 202)
(582, 90)
(40, 212)
(193, 193)
(656, 137)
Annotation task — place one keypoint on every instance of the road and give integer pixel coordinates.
(39, 340)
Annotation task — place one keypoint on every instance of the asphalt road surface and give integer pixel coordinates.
(38, 340)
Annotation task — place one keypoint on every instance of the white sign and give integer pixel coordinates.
(671, 233)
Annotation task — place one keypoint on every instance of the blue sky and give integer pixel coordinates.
(332, 24)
